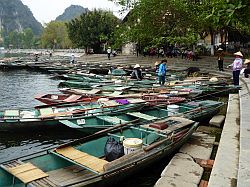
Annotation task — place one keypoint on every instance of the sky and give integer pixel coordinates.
(47, 10)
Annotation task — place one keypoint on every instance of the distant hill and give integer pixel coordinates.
(15, 16)
(72, 12)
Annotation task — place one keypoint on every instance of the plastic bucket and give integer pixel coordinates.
(172, 109)
(131, 144)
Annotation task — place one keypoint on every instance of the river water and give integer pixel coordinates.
(18, 88)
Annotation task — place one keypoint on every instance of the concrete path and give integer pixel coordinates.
(224, 172)
(183, 169)
(244, 156)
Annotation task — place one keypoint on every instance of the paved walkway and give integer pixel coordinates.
(244, 156)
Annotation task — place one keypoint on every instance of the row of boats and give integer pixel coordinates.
(131, 124)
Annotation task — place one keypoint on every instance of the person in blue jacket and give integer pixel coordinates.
(162, 72)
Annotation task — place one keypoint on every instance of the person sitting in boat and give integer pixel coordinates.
(137, 73)
(36, 57)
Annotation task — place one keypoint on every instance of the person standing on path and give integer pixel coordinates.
(162, 72)
(109, 52)
(247, 69)
(220, 59)
(236, 67)
(72, 60)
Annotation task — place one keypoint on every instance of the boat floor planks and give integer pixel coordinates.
(40, 182)
(69, 175)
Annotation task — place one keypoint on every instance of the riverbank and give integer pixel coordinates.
(206, 64)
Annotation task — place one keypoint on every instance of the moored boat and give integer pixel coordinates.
(64, 98)
(44, 117)
(195, 110)
(88, 162)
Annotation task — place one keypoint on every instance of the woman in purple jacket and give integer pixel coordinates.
(236, 67)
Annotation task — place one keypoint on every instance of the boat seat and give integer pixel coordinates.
(28, 174)
(72, 98)
(94, 91)
(112, 120)
(110, 103)
(11, 113)
(142, 116)
(115, 93)
(122, 88)
(134, 101)
(45, 111)
(83, 159)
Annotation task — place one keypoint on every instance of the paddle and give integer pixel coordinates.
(99, 132)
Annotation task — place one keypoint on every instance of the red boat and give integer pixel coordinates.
(64, 98)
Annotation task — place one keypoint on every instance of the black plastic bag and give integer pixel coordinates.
(113, 149)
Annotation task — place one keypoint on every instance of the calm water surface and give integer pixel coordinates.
(18, 88)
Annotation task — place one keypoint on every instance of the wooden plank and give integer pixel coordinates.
(26, 172)
(11, 113)
(112, 120)
(69, 174)
(46, 111)
(21, 168)
(141, 115)
(86, 160)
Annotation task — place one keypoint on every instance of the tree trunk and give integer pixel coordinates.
(212, 42)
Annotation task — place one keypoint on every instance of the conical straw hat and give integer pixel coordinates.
(238, 53)
(247, 61)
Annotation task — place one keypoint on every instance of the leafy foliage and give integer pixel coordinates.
(158, 22)
(25, 39)
(55, 36)
(92, 29)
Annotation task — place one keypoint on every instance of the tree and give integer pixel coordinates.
(92, 29)
(160, 21)
(28, 38)
(55, 36)
(157, 22)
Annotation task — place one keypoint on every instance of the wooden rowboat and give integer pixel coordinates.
(64, 98)
(195, 110)
(46, 117)
(84, 162)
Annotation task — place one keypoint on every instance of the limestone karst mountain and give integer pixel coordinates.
(72, 12)
(15, 16)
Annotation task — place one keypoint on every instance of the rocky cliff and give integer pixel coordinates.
(72, 12)
(15, 16)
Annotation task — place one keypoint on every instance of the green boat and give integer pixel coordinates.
(195, 110)
(49, 117)
(87, 161)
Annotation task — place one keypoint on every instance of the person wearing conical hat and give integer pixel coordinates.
(137, 73)
(220, 58)
(247, 69)
(236, 67)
